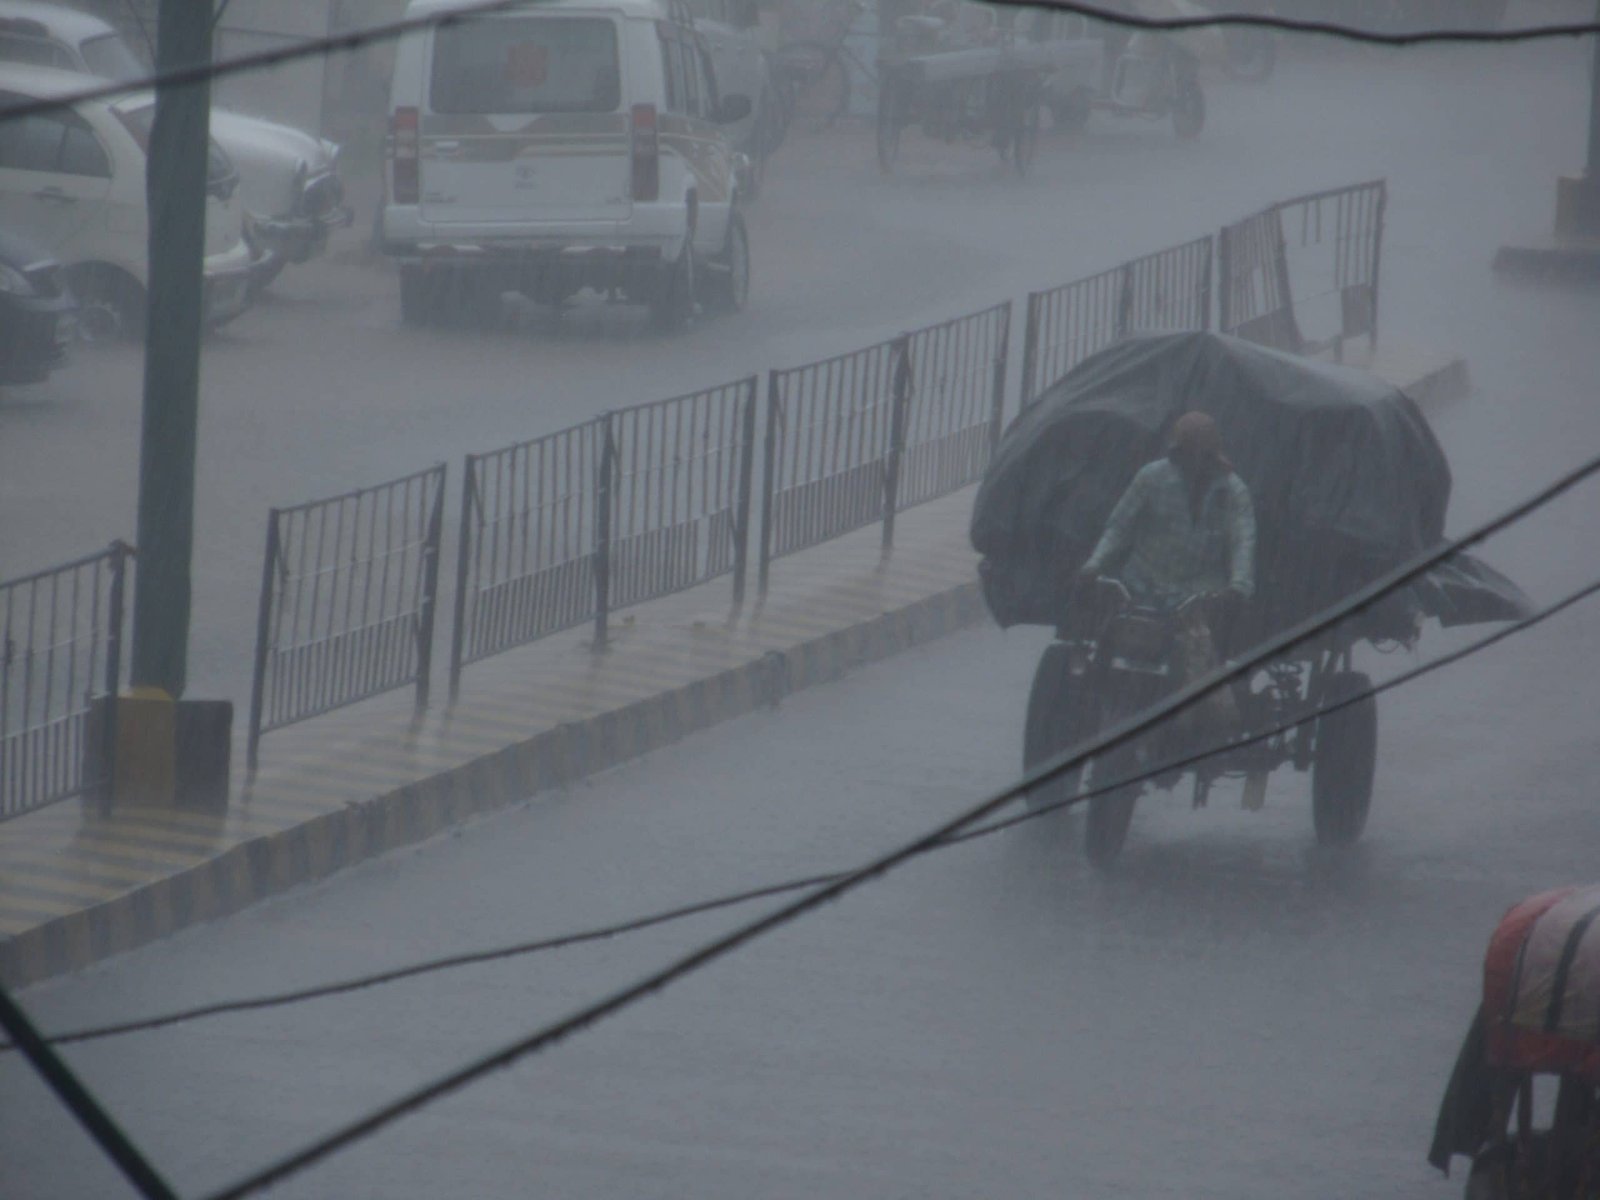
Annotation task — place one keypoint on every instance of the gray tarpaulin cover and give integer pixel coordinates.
(1347, 478)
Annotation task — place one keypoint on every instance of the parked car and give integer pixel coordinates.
(73, 179)
(578, 143)
(36, 311)
(289, 179)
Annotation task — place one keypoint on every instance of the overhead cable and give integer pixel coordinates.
(731, 900)
(1120, 733)
(81, 1103)
(391, 30)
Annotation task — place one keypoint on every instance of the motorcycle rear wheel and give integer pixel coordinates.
(1110, 815)
(1057, 718)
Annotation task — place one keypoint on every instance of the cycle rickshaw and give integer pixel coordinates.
(1347, 482)
(983, 87)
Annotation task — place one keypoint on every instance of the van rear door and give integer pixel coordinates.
(525, 122)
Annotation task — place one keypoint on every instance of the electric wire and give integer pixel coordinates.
(391, 30)
(734, 899)
(81, 1103)
(710, 952)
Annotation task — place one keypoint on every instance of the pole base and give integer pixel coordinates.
(172, 754)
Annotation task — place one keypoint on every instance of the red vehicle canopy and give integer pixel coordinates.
(1541, 985)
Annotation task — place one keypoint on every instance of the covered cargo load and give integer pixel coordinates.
(1347, 479)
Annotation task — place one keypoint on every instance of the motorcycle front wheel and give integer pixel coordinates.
(1110, 814)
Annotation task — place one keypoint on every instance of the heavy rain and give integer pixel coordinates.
(539, 541)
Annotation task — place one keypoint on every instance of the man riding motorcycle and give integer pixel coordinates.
(1185, 529)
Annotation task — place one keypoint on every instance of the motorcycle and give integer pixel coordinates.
(1113, 658)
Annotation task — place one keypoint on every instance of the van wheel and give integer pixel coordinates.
(415, 303)
(728, 286)
(672, 305)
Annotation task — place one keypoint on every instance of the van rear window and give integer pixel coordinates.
(526, 65)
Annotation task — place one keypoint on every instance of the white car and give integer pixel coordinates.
(569, 144)
(290, 180)
(73, 180)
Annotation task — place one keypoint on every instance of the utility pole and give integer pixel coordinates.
(1592, 168)
(176, 191)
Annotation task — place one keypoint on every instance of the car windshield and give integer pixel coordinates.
(526, 65)
(112, 58)
(219, 167)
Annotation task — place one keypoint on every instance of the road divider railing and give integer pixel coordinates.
(641, 502)
(1302, 275)
(349, 589)
(955, 404)
(852, 440)
(636, 504)
(61, 634)
(1165, 292)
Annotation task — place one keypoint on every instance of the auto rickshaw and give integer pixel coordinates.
(1537, 1029)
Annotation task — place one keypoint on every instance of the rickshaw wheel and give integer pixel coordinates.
(1057, 717)
(1345, 760)
(1109, 815)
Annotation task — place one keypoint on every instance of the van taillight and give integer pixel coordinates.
(405, 147)
(646, 153)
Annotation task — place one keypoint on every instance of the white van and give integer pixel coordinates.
(571, 144)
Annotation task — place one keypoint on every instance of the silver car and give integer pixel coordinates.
(289, 179)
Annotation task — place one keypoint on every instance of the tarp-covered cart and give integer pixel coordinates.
(1540, 1017)
(1347, 481)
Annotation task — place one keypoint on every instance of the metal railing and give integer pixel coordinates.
(638, 503)
(525, 557)
(1302, 275)
(955, 404)
(678, 473)
(828, 448)
(852, 440)
(60, 658)
(348, 593)
(649, 500)
(1168, 291)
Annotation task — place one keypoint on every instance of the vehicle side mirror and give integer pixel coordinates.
(733, 108)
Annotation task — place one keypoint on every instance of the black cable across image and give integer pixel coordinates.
(694, 960)
(768, 891)
(391, 30)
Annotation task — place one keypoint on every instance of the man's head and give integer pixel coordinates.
(1196, 442)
